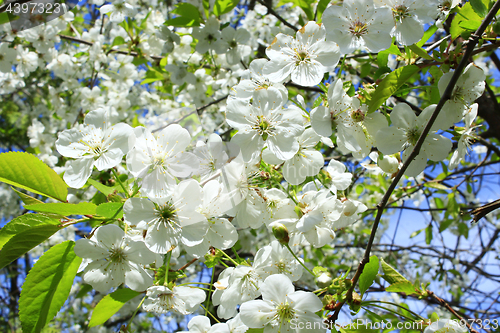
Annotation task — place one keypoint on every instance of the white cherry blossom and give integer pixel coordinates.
(183, 300)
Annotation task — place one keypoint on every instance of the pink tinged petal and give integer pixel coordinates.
(257, 314)
(402, 116)
(173, 139)
(321, 121)
(327, 54)
(78, 172)
(390, 140)
(139, 211)
(276, 288)
(68, 144)
(85, 248)
(436, 147)
(182, 165)
(305, 301)
(137, 278)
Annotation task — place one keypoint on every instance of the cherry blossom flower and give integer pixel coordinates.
(169, 219)
(201, 324)
(257, 81)
(265, 121)
(357, 24)
(119, 10)
(158, 160)
(305, 58)
(116, 259)
(209, 37)
(405, 134)
(95, 143)
(282, 309)
(465, 139)
(183, 300)
(445, 325)
(469, 87)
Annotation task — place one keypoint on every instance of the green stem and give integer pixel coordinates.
(133, 316)
(211, 315)
(120, 182)
(398, 305)
(229, 258)
(210, 292)
(185, 284)
(392, 311)
(166, 261)
(300, 261)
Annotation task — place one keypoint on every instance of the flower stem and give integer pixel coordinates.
(293, 254)
(230, 259)
(166, 262)
(210, 292)
(211, 315)
(133, 316)
(120, 182)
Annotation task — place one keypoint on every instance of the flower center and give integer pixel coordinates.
(264, 127)
(301, 56)
(116, 255)
(400, 12)
(412, 135)
(358, 28)
(285, 312)
(358, 115)
(445, 6)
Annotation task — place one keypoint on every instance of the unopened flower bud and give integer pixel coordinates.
(281, 233)
(388, 163)
(324, 280)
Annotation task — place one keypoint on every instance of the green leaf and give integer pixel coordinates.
(470, 25)
(420, 52)
(110, 210)
(479, 7)
(390, 84)
(23, 223)
(188, 16)
(152, 76)
(24, 241)
(110, 304)
(224, 6)
(427, 35)
(428, 234)
(369, 274)
(65, 209)
(106, 190)
(402, 287)
(4, 18)
(119, 40)
(390, 274)
(436, 185)
(463, 229)
(466, 13)
(26, 171)
(322, 4)
(47, 286)
(255, 330)
(27, 200)
(445, 224)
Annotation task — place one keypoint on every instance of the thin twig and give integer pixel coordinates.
(449, 308)
(416, 150)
